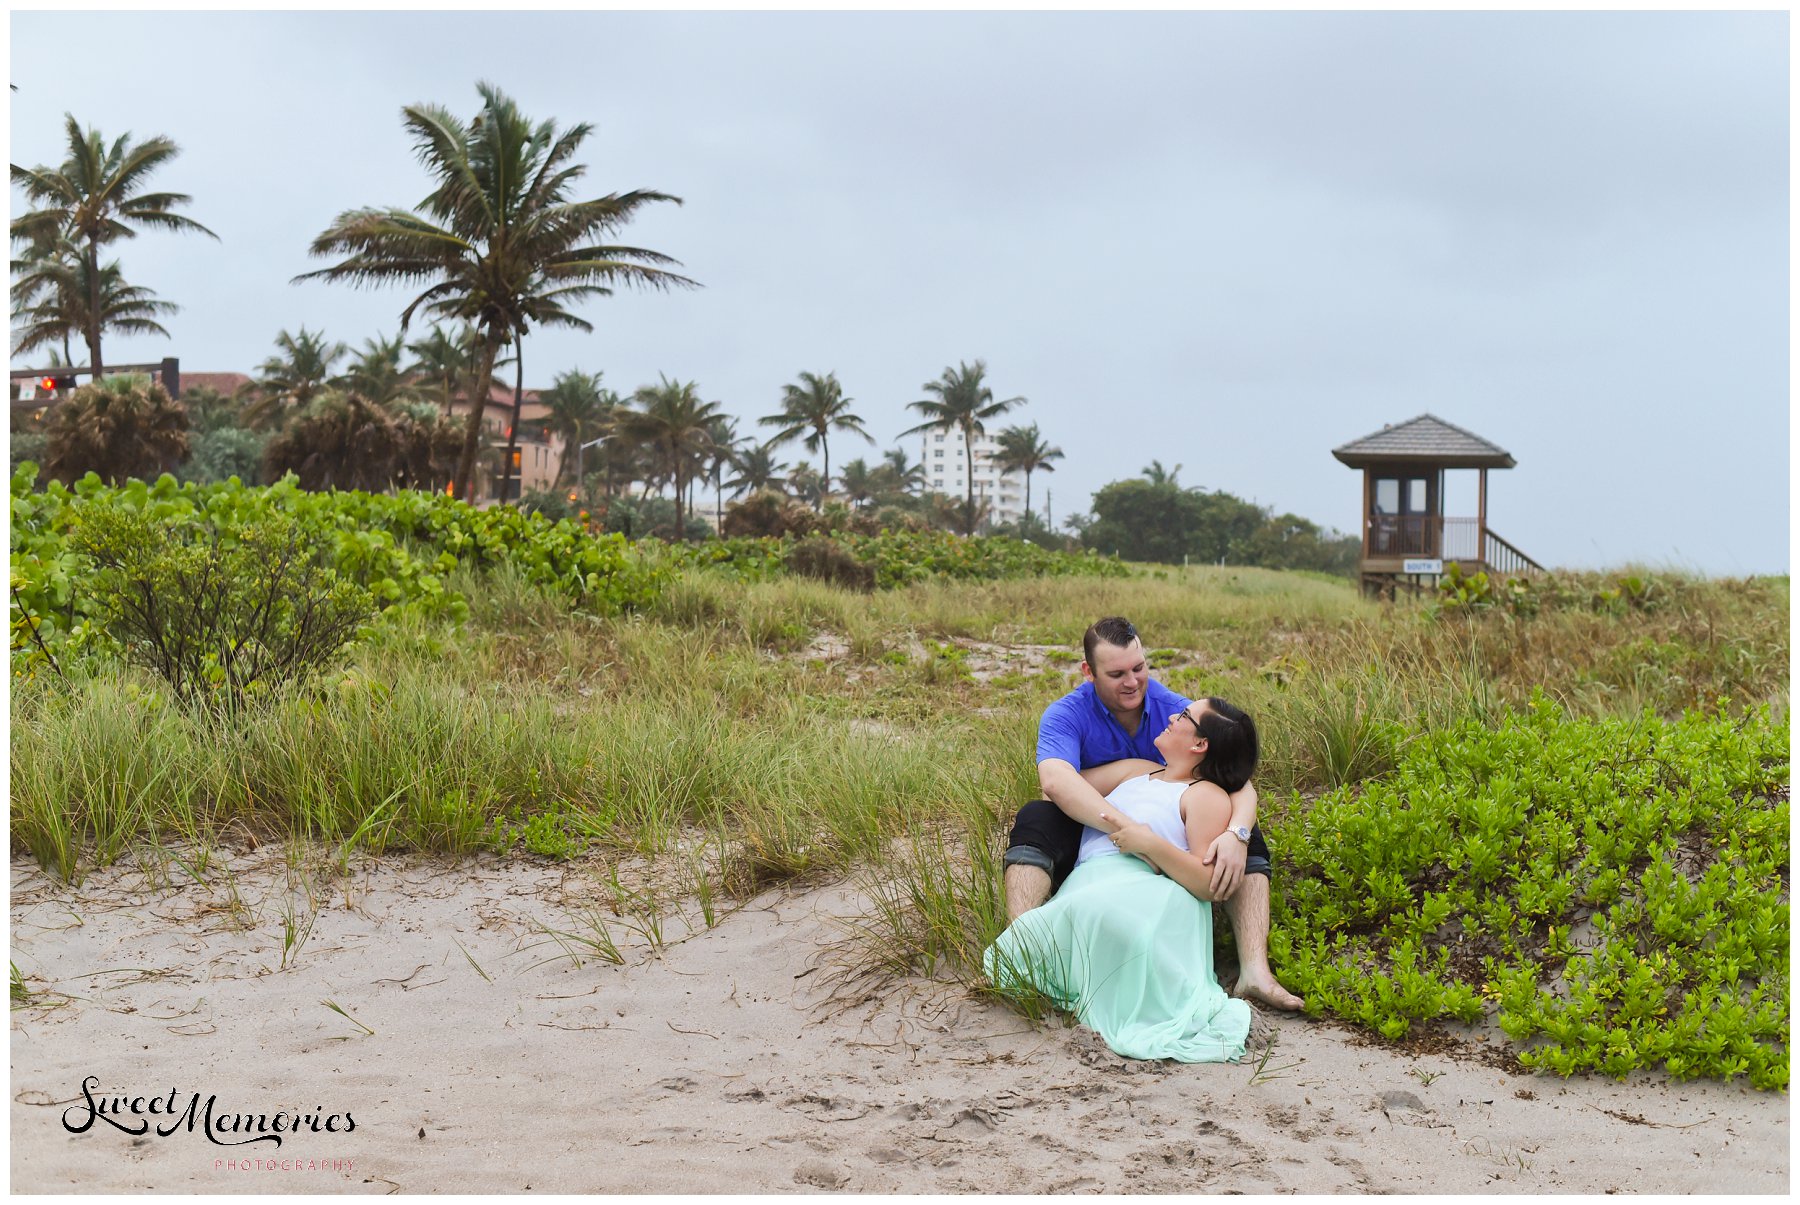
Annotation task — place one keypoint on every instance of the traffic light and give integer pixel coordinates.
(56, 384)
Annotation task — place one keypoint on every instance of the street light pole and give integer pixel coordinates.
(579, 449)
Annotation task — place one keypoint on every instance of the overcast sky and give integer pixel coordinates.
(1228, 241)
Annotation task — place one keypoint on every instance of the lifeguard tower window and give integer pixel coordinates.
(1388, 497)
(1400, 525)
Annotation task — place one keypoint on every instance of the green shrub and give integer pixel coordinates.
(223, 612)
(224, 453)
(825, 559)
(28, 445)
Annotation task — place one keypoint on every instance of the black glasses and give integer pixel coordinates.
(1185, 714)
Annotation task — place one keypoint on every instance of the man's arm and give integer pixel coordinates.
(1243, 807)
(1226, 855)
(1064, 786)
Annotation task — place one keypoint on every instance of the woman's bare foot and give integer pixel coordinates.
(1265, 990)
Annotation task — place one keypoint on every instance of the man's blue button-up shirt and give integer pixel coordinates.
(1080, 730)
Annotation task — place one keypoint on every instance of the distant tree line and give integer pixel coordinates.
(1155, 518)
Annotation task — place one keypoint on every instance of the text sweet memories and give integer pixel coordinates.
(134, 1115)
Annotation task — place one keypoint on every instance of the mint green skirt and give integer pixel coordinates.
(1130, 953)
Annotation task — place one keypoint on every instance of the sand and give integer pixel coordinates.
(733, 1059)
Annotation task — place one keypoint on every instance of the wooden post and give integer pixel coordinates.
(1367, 510)
(1481, 522)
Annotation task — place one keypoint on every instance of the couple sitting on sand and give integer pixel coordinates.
(1130, 767)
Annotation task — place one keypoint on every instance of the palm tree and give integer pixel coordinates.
(808, 485)
(375, 373)
(964, 403)
(859, 482)
(578, 413)
(499, 242)
(445, 358)
(57, 293)
(1023, 450)
(298, 371)
(906, 478)
(813, 407)
(719, 457)
(44, 293)
(677, 425)
(757, 469)
(1157, 475)
(119, 427)
(94, 198)
(620, 454)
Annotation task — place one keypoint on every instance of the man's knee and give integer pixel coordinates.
(1256, 859)
(1044, 839)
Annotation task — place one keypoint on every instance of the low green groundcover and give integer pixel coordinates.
(1619, 889)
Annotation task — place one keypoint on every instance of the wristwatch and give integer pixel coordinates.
(1241, 833)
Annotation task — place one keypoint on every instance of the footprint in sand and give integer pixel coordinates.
(816, 1173)
(968, 1123)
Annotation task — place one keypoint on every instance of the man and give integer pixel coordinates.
(1116, 713)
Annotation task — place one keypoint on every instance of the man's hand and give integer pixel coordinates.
(1226, 855)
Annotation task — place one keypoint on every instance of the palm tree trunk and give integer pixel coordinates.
(680, 488)
(825, 485)
(512, 431)
(484, 382)
(93, 314)
(1028, 494)
(969, 506)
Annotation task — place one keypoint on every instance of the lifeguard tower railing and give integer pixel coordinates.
(1465, 541)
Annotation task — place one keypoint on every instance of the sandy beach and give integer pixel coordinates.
(473, 1053)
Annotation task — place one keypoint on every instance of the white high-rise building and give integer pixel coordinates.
(947, 468)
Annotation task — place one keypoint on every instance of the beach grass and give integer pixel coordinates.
(793, 729)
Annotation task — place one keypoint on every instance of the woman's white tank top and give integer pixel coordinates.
(1148, 800)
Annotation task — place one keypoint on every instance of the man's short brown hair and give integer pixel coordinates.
(1114, 629)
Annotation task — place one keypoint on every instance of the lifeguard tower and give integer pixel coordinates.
(1407, 540)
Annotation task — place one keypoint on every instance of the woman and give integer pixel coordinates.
(1127, 941)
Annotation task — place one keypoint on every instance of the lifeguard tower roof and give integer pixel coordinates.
(1426, 439)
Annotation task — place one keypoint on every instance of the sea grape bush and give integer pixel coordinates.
(900, 558)
(1613, 893)
(1600, 593)
(398, 547)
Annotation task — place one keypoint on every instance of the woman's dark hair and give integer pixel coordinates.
(1231, 747)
